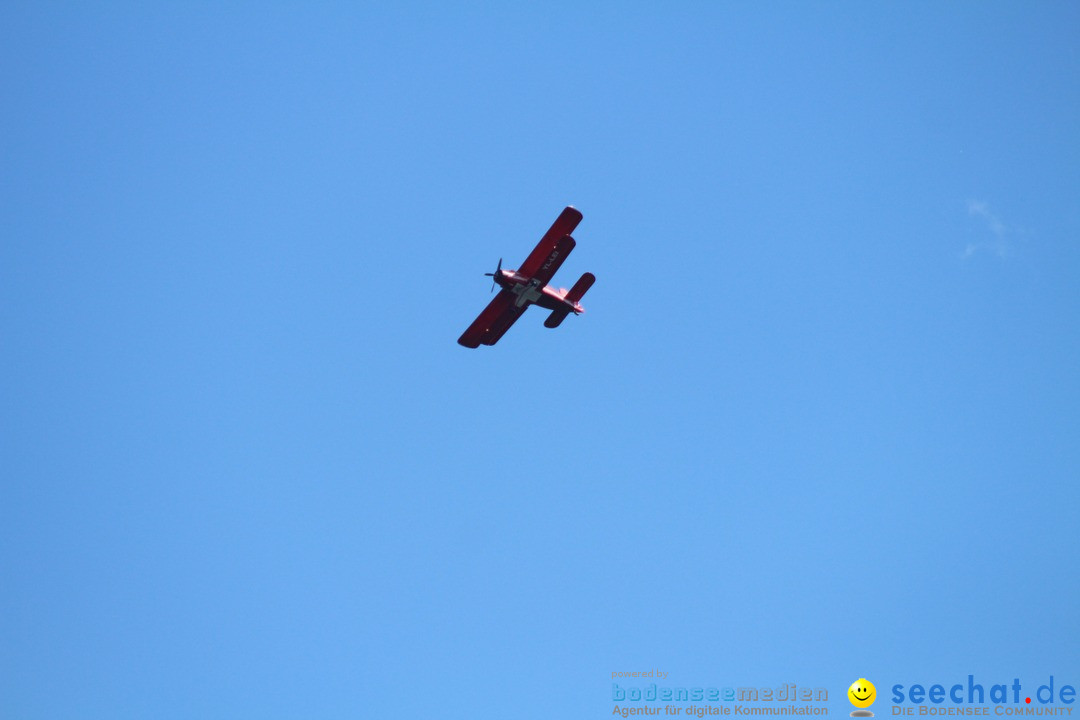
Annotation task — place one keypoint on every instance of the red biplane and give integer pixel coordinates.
(528, 285)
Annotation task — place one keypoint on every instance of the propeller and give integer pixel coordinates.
(498, 269)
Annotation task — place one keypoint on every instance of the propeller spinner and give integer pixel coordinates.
(498, 269)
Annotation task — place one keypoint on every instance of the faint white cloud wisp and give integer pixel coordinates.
(999, 244)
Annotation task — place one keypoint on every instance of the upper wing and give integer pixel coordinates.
(563, 226)
(554, 259)
(499, 315)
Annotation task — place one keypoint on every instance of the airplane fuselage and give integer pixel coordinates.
(530, 291)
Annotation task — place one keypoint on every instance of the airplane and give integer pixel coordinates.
(528, 285)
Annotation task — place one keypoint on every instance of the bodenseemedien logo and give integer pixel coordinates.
(862, 694)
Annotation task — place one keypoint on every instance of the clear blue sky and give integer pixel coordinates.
(821, 420)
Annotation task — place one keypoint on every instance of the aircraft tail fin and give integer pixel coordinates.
(581, 287)
(572, 296)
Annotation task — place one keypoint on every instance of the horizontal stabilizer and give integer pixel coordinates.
(556, 317)
(580, 287)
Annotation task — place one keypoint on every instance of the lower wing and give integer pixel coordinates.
(503, 323)
(492, 322)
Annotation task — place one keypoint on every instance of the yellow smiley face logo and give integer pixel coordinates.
(862, 693)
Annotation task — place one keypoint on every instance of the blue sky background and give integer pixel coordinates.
(820, 421)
